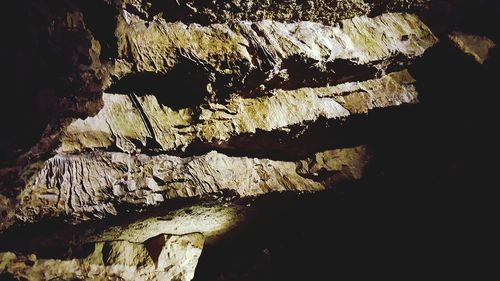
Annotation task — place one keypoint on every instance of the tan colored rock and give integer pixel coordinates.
(474, 45)
(164, 257)
(327, 162)
(212, 220)
(237, 50)
(93, 185)
(120, 123)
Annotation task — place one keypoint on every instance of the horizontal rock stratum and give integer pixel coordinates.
(90, 186)
(218, 122)
(248, 58)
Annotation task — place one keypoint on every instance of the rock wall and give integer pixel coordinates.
(128, 107)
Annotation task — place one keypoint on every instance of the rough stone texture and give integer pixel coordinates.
(474, 45)
(90, 186)
(7, 211)
(205, 12)
(163, 257)
(212, 220)
(251, 57)
(139, 91)
(249, 77)
(363, 39)
(131, 126)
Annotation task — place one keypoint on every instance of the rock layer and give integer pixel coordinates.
(164, 257)
(90, 186)
(148, 102)
(251, 57)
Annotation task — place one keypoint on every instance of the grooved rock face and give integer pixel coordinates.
(176, 84)
(93, 185)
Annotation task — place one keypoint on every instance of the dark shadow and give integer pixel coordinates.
(42, 73)
(22, 118)
(302, 141)
(8, 277)
(101, 18)
(300, 72)
(182, 87)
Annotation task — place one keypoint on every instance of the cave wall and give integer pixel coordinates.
(136, 131)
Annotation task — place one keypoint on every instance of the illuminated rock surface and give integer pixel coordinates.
(141, 129)
(476, 46)
(216, 123)
(88, 186)
(163, 257)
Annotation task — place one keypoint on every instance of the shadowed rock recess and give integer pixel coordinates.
(178, 139)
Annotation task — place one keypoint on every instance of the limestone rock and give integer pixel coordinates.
(327, 163)
(247, 58)
(91, 186)
(213, 220)
(474, 45)
(134, 123)
(123, 142)
(164, 257)
(145, 117)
